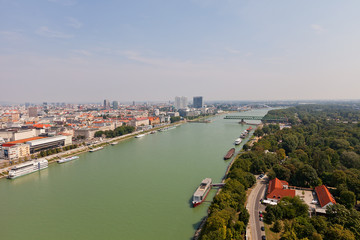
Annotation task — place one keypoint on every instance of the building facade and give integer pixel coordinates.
(15, 151)
(198, 102)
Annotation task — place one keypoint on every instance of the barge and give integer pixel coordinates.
(229, 154)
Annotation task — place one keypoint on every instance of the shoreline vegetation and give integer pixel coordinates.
(321, 146)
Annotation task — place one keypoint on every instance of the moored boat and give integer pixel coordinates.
(249, 129)
(244, 134)
(229, 154)
(238, 141)
(27, 168)
(96, 149)
(139, 136)
(114, 143)
(67, 159)
(201, 192)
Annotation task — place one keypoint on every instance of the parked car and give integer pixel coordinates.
(262, 228)
(260, 212)
(261, 215)
(263, 238)
(261, 219)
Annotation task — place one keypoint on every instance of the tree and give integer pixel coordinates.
(350, 160)
(337, 232)
(339, 144)
(277, 226)
(348, 199)
(281, 153)
(282, 172)
(290, 143)
(338, 214)
(306, 176)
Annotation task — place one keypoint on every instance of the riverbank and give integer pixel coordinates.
(84, 149)
(203, 221)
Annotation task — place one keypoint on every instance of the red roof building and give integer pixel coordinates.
(324, 196)
(278, 189)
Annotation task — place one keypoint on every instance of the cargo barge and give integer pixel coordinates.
(229, 154)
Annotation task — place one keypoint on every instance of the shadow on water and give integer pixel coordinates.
(190, 202)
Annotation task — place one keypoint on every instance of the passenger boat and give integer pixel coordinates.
(166, 129)
(229, 154)
(201, 192)
(238, 141)
(63, 160)
(244, 134)
(27, 168)
(96, 149)
(139, 136)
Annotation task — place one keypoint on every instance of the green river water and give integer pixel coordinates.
(138, 189)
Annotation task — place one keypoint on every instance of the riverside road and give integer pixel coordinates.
(254, 206)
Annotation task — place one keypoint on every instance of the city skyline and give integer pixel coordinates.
(140, 51)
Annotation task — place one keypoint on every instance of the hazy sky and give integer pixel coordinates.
(82, 50)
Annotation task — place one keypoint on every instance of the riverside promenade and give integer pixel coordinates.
(82, 149)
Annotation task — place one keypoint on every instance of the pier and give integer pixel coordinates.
(218, 185)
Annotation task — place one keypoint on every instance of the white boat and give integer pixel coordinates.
(238, 141)
(167, 128)
(96, 149)
(63, 160)
(27, 168)
(114, 143)
(201, 192)
(139, 136)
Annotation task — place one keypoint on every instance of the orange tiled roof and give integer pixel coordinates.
(24, 140)
(280, 193)
(39, 125)
(276, 189)
(274, 184)
(324, 195)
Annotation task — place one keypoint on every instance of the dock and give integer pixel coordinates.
(218, 185)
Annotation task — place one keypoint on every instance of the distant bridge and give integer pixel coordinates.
(270, 119)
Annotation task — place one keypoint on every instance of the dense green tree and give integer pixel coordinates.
(337, 232)
(306, 177)
(277, 226)
(350, 160)
(348, 199)
(281, 172)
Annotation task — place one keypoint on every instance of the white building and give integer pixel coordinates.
(180, 102)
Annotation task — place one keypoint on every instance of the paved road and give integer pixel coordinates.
(253, 205)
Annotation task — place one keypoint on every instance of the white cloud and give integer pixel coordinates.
(46, 32)
(73, 22)
(317, 28)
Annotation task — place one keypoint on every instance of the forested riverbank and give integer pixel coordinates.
(322, 146)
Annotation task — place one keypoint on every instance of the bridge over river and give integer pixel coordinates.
(261, 118)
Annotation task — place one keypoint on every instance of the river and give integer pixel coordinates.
(138, 189)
